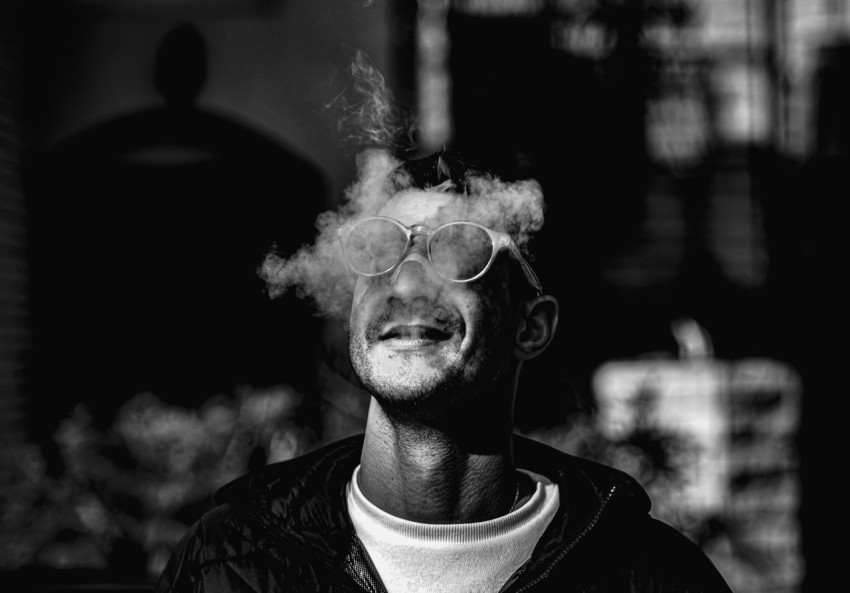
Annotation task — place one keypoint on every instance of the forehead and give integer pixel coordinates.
(427, 207)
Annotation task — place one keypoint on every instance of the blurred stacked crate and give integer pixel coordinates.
(762, 549)
(731, 430)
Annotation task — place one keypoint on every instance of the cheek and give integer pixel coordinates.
(360, 287)
(359, 299)
(489, 313)
(356, 317)
(501, 312)
(494, 294)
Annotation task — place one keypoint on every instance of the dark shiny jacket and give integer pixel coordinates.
(286, 528)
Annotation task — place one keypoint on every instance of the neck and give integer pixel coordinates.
(434, 474)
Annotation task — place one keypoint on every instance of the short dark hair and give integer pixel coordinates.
(436, 169)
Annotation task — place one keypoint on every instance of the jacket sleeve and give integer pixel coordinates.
(182, 570)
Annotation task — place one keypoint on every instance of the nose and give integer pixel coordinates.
(414, 277)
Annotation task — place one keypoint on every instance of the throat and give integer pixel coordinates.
(432, 480)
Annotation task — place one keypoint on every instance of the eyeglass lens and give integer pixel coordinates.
(458, 251)
(373, 246)
(461, 251)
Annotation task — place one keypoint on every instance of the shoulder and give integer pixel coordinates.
(201, 544)
(673, 559)
(580, 478)
(636, 552)
(605, 524)
(287, 513)
(311, 471)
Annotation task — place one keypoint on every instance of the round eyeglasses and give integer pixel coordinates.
(458, 251)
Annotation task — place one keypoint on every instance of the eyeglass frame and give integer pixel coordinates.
(498, 239)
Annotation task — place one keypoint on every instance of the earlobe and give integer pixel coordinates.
(537, 321)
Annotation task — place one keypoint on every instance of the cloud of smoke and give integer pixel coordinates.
(318, 273)
(515, 207)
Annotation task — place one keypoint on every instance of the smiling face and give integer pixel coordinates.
(420, 343)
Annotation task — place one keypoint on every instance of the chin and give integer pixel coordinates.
(403, 382)
(406, 391)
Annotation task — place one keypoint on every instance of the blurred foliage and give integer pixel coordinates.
(125, 495)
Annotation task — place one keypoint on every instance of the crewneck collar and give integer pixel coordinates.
(442, 532)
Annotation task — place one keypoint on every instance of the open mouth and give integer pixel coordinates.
(415, 333)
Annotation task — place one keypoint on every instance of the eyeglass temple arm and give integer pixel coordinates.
(526, 268)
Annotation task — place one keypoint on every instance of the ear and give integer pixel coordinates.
(536, 324)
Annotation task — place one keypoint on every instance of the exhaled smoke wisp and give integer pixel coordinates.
(368, 114)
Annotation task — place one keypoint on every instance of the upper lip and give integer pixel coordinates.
(414, 330)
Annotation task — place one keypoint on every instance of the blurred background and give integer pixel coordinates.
(693, 155)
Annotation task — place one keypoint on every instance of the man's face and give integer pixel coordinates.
(420, 342)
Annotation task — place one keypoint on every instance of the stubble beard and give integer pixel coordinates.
(431, 392)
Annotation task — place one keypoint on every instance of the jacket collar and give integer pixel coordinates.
(300, 503)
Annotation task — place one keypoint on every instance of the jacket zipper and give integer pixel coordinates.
(593, 521)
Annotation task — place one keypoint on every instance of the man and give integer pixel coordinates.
(438, 495)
